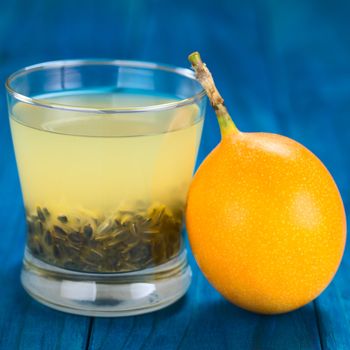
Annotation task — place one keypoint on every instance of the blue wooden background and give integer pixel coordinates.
(283, 66)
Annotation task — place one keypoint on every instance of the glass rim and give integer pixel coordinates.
(185, 72)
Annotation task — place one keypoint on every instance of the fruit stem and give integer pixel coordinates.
(203, 75)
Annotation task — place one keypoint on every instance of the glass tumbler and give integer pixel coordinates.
(105, 151)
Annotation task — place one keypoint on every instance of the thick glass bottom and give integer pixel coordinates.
(106, 294)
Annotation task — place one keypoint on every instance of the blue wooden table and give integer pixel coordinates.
(283, 66)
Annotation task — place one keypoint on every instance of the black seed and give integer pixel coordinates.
(58, 238)
(93, 243)
(59, 230)
(88, 231)
(48, 238)
(76, 237)
(56, 251)
(143, 238)
(40, 248)
(62, 218)
(30, 227)
(38, 228)
(140, 253)
(34, 250)
(40, 214)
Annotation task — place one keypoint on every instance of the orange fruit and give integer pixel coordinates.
(265, 219)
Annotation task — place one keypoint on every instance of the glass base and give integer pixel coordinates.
(106, 294)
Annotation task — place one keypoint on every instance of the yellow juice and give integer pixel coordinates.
(104, 191)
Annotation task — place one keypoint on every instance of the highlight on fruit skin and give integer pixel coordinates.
(265, 219)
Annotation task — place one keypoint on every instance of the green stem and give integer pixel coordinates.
(203, 75)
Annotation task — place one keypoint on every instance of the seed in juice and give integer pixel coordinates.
(76, 237)
(46, 212)
(56, 251)
(48, 238)
(38, 227)
(62, 218)
(30, 226)
(134, 241)
(41, 215)
(59, 231)
(88, 231)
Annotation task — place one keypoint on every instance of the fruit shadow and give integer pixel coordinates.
(219, 318)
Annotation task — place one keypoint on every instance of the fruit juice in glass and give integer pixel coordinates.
(104, 169)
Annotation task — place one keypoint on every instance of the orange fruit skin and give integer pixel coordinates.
(266, 222)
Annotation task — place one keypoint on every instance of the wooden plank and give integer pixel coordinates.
(333, 310)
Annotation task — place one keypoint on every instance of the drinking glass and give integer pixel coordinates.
(105, 151)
